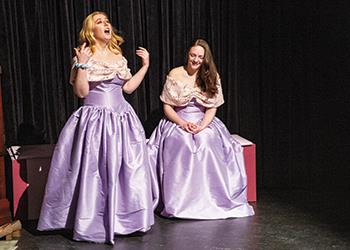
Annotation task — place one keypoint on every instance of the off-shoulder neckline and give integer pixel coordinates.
(121, 61)
(179, 81)
(176, 80)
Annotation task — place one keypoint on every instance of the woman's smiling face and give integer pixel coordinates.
(195, 57)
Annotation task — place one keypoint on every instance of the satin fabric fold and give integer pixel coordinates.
(199, 176)
(99, 183)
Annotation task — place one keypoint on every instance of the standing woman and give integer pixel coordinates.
(99, 180)
(200, 167)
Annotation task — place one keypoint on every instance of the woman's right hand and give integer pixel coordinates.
(188, 126)
(83, 53)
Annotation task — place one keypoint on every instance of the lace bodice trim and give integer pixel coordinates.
(101, 71)
(177, 93)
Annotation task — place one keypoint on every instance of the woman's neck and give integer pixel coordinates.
(189, 72)
(102, 48)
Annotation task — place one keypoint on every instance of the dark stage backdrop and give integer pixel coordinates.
(284, 67)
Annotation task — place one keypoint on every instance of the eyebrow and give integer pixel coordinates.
(196, 54)
(100, 18)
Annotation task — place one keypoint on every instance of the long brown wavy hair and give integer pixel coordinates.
(86, 35)
(208, 74)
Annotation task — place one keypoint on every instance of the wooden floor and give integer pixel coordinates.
(283, 220)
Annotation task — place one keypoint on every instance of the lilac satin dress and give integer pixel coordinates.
(200, 176)
(99, 182)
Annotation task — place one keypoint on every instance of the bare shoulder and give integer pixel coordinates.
(175, 72)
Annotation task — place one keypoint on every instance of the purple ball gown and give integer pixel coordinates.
(99, 182)
(200, 176)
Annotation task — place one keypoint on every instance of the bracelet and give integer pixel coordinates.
(81, 66)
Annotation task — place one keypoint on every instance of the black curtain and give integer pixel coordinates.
(39, 37)
(304, 86)
(284, 68)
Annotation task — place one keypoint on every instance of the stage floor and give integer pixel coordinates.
(283, 220)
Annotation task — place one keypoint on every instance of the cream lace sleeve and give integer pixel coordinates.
(101, 71)
(176, 93)
(212, 102)
(219, 98)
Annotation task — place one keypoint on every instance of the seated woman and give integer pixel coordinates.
(200, 167)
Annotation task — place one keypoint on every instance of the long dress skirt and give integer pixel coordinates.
(99, 180)
(200, 176)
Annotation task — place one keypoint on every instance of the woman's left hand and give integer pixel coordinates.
(143, 53)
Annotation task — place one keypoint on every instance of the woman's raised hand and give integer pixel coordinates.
(143, 53)
(83, 53)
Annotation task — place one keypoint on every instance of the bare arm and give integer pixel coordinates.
(207, 119)
(136, 80)
(209, 112)
(81, 85)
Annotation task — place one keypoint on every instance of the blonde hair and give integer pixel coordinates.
(86, 35)
(208, 75)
